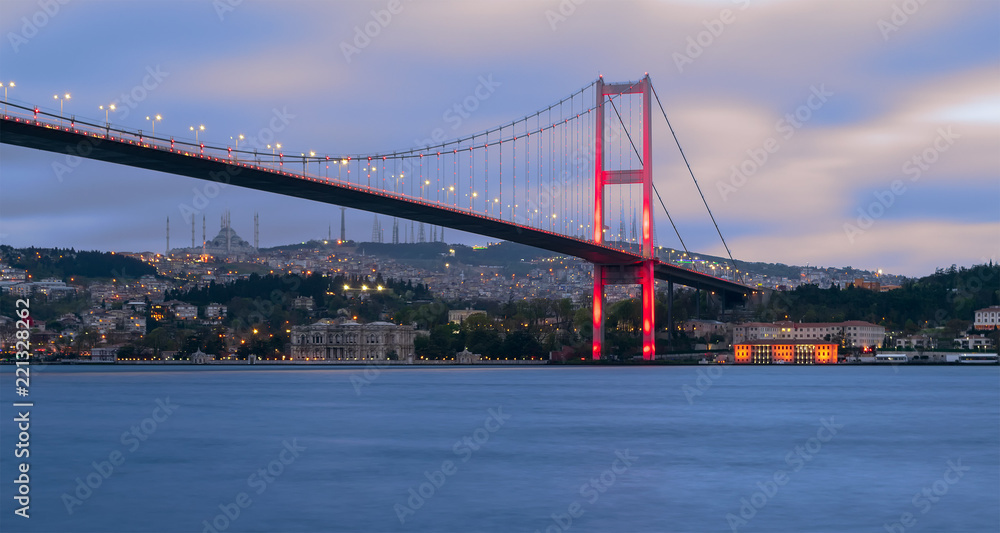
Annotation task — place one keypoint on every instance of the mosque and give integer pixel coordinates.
(226, 245)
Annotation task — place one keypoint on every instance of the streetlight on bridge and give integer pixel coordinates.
(5, 87)
(238, 138)
(57, 97)
(106, 109)
(153, 119)
(196, 130)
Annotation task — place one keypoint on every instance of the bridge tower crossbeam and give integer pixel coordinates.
(641, 272)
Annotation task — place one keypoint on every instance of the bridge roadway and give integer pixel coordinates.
(128, 150)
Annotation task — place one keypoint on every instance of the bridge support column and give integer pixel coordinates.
(638, 273)
(598, 305)
(670, 314)
(648, 310)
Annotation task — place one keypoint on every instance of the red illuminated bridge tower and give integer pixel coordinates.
(640, 272)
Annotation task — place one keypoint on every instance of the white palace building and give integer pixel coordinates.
(329, 340)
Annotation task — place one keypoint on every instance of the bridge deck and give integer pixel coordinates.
(138, 153)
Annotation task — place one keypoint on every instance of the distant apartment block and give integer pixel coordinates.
(457, 316)
(305, 303)
(214, 311)
(974, 342)
(915, 342)
(183, 311)
(752, 331)
(988, 318)
(704, 328)
(876, 286)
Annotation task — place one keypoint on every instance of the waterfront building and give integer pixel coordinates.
(104, 354)
(854, 333)
(974, 342)
(763, 352)
(328, 340)
(917, 342)
(987, 318)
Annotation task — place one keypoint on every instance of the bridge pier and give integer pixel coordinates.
(670, 314)
(640, 273)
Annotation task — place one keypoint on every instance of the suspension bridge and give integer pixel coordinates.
(552, 179)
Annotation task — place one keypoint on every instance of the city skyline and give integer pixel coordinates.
(860, 135)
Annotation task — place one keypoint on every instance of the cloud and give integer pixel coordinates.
(900, 247)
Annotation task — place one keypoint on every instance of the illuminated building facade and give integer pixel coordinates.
(764, 352)
(328, 340)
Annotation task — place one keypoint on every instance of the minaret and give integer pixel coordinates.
(229, 233)
(204, 234)
(343, 228)
(168, 237)
(621, 226)
(256, 231)
(442, 233)
(193, 223)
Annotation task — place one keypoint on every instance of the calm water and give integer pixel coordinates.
(623, 449)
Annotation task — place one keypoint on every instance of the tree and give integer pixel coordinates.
(485, 342)
(521, 344)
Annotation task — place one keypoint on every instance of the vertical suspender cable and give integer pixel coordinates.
(691, 172)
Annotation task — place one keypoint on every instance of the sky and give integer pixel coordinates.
(858, 133)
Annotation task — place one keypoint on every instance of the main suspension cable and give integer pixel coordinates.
(629, 135)
(691, 172)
